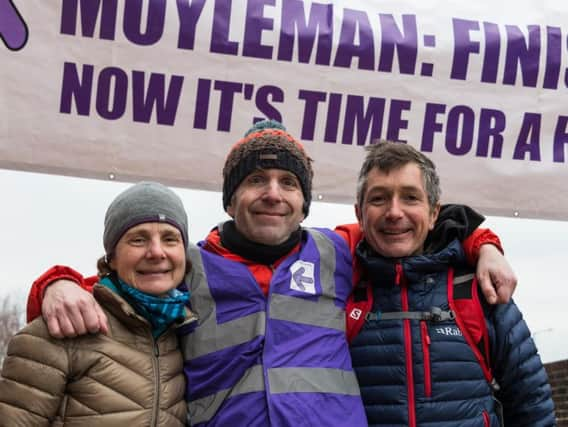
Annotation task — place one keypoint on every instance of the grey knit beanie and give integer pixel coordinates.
(143, 202)
(267, 145)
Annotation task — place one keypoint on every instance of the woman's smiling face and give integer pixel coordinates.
(150, 257)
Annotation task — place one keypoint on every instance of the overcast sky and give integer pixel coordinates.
(59, 220)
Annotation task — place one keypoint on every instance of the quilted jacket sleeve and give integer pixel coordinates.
(525, 392)
(34, 377)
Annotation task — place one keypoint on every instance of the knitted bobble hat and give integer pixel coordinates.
(143, 202)
(267, 145)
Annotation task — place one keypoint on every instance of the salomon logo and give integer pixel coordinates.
(355, 313)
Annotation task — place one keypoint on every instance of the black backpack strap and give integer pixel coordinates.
(436, 314)
(360, 291)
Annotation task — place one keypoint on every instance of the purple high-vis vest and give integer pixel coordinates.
(281, 360)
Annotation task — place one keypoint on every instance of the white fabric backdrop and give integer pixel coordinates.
(160, 90)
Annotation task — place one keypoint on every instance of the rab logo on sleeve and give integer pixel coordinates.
(303, 277)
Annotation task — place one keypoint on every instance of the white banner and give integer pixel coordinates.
(161, 89)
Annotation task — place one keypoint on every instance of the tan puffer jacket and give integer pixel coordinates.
(125, 379)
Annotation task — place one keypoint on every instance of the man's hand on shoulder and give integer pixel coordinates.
(70, 311)
(495, 276)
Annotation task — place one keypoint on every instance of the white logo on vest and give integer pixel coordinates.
(303, 277)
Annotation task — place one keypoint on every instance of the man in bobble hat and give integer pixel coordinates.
(283, 359)
(270, 347)
(267, 146)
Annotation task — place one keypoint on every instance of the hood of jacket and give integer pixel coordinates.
(382, 271)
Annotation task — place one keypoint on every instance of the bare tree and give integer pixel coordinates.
(11, 320)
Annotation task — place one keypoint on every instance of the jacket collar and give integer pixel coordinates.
(383, 272)
(227, 242)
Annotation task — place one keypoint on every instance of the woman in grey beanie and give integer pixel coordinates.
(134, 373)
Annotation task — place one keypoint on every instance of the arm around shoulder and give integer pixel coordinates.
(496, 277)
(351, 233)
(474, 242)
(68, 309)
(57, 272)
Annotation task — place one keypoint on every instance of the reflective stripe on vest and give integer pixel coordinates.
(299, 310)
(202, 410)
(312, 380)
(282, 380)
(210, 336)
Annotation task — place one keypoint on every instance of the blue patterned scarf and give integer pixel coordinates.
(161, 312)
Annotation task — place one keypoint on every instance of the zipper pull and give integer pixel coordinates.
(425, 333)
(398, 276)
